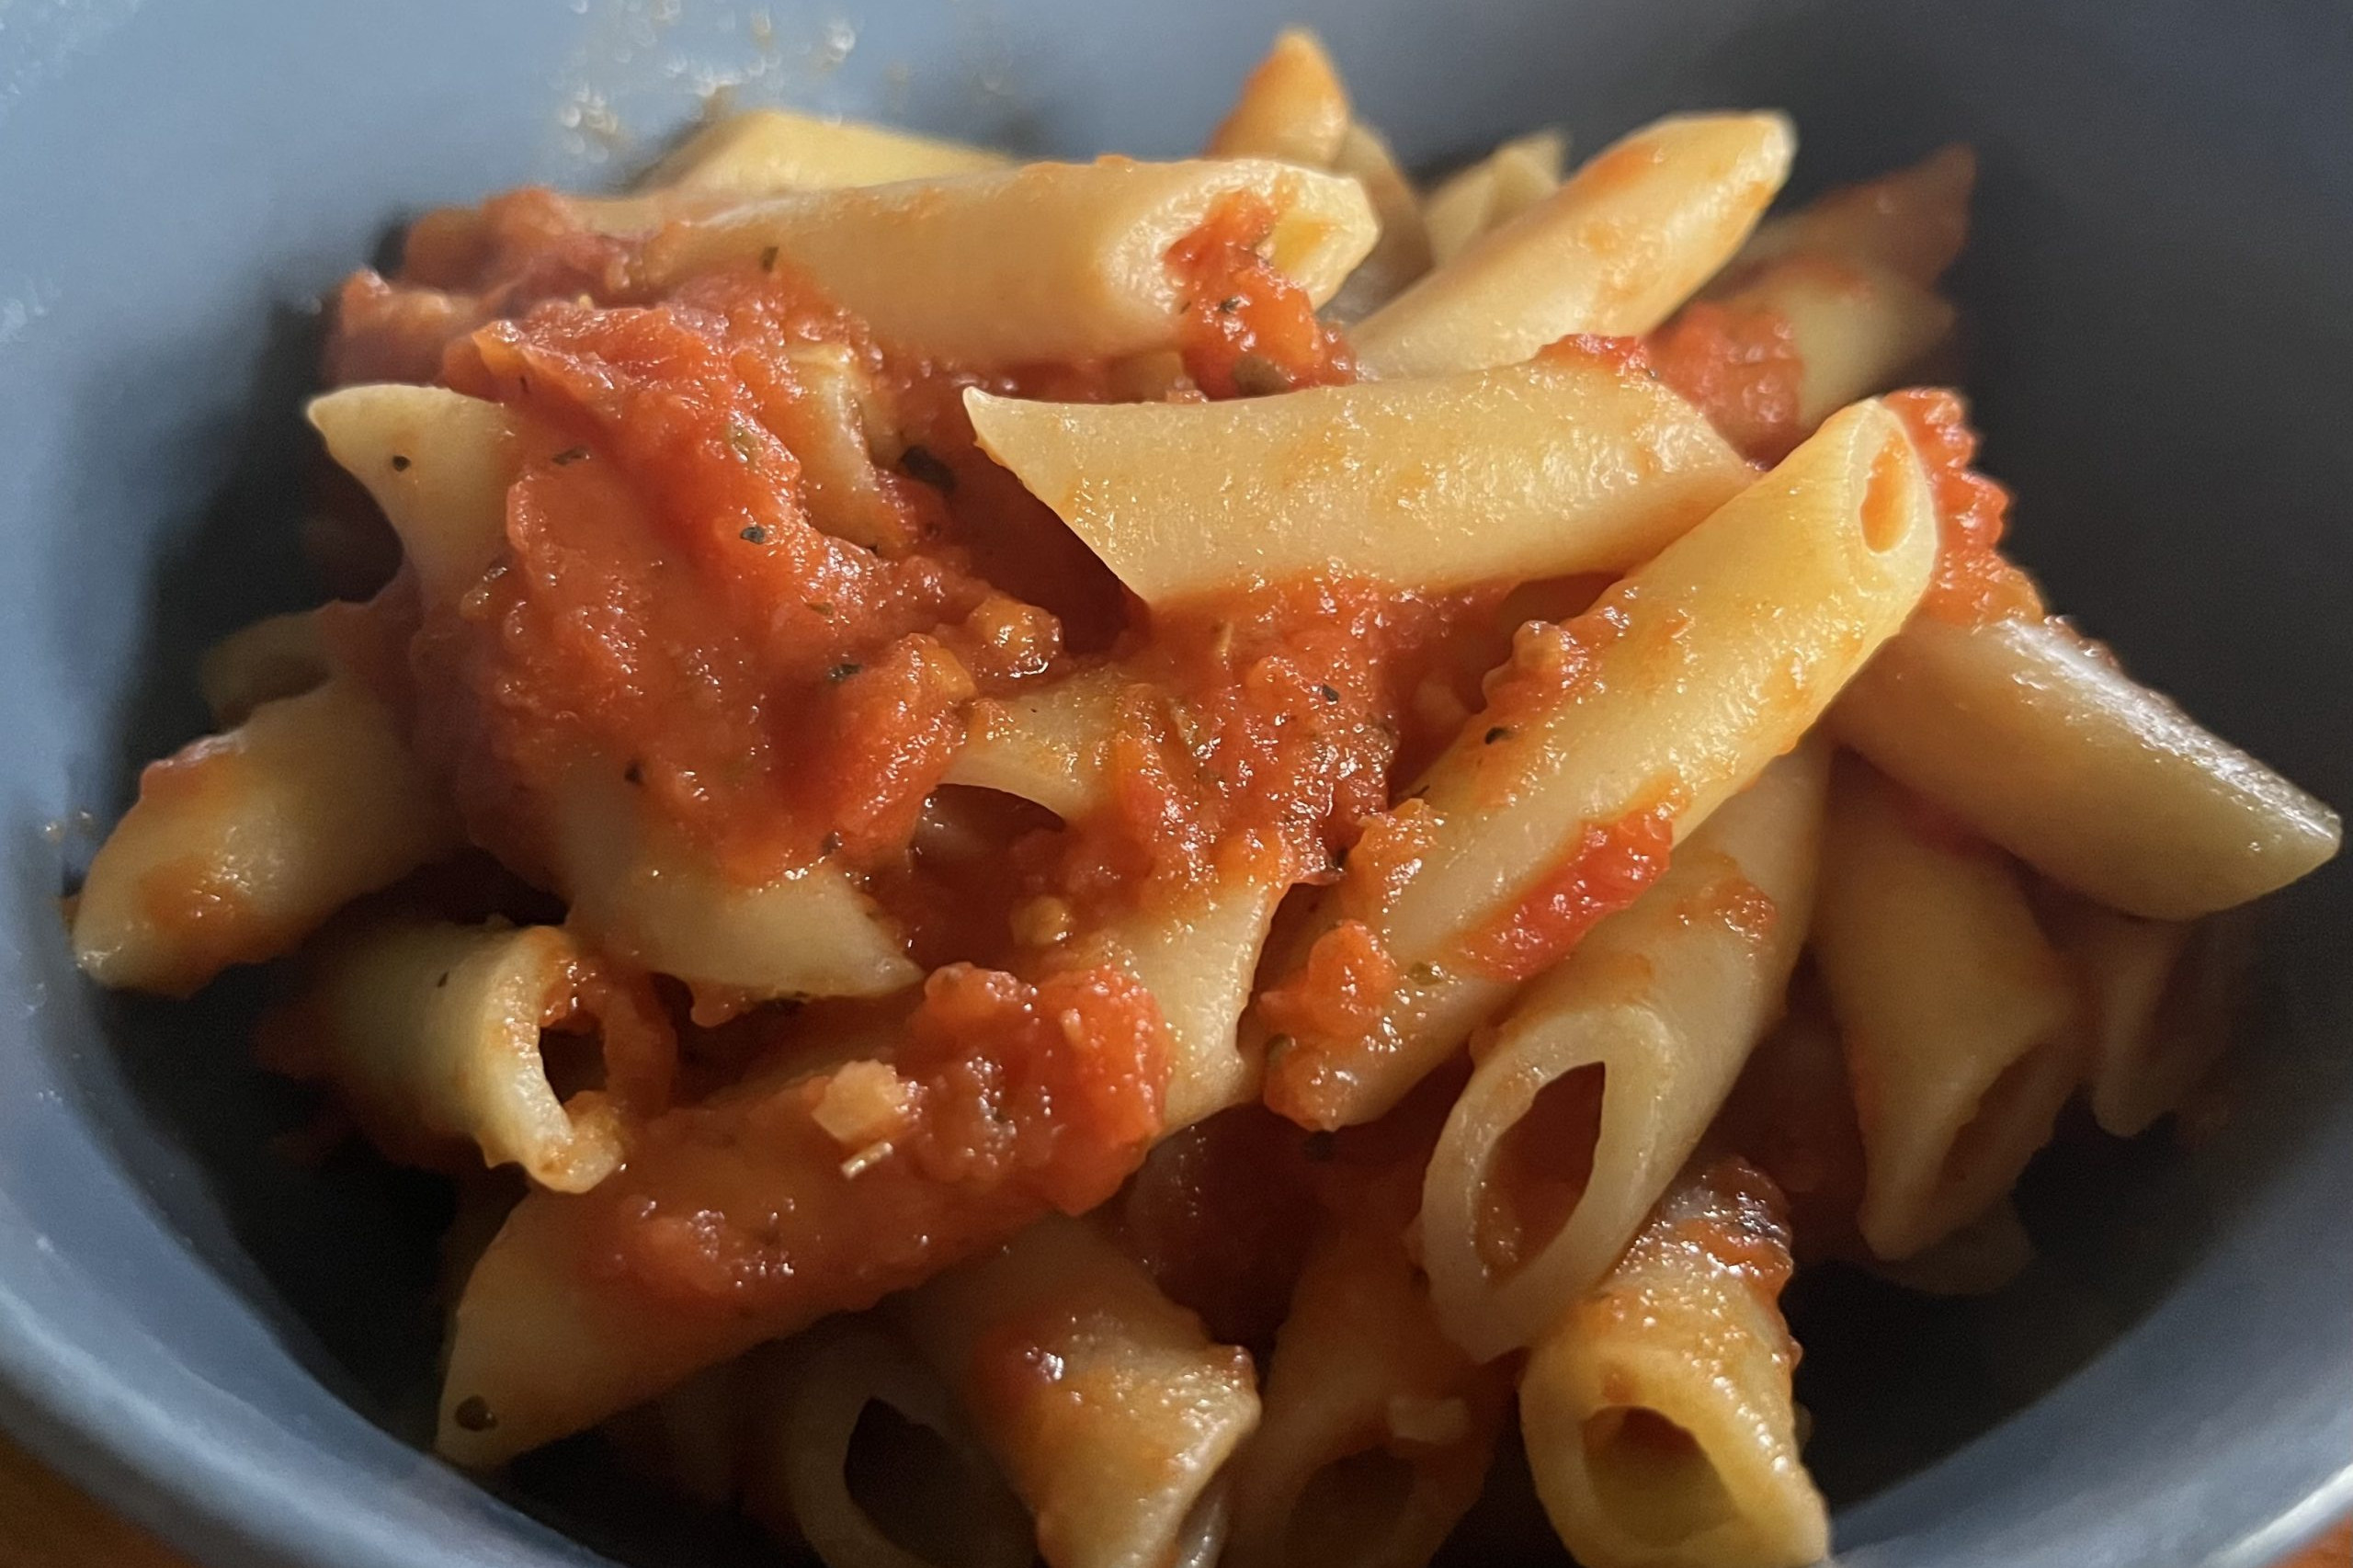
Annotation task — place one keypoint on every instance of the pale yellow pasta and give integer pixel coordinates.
(1985, 1256)
(858, 1450)
(1196, 951)
(1106, 1404)
(1700, 669)
(1911, 222)
(1596, 1085)
(1498, 188)
(2157, 997)
(1401, 254)
(2030, 733)
(279, 655)
(438, 464)
(244, 843)
(1614, 251)
(640, 892)
(1293, 107)
(1377, 1430)
(1043, 262)
(762, 150)
(1657, 1413)
(1856, 328)
(1045, 745)
(1958, 1021)
(829, 429)
(1571, 463)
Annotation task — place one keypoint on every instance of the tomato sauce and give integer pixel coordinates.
(1974, 583)
(1247, 329)
(1017, 1099)
(1740, 367)
(1604, 872)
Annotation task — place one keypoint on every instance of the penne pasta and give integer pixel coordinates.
(1854, 330)
(1294, 108)
(1492, 192)
(1608, 739)
(1960, 1026)
(1047, 261)
(279, 655)
(2157, 997)
(1613, 252)
(641, 892)
(1599, 1084)
(1401, 254)
(1984, 1257)
(1911, 222)
(1196, 951)
(1377, 1430)
(1045, 745)
(858, 1450)
(753, 1215)
(1573, 463)
(2030, 733)
(438, 464)
(431, 1032)
(1104, 1404)
(760, 152)
(244, 843)
(1658, 1414)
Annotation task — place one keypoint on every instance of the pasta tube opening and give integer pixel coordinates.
(1541, 1167)
(1653, 1476)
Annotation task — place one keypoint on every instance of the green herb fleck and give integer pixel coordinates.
(843, 671)
(400, 462)
(1499, 732)
(768, 259)
(569, 456)
(756, 533)
(1328, 694)
(822, 606)
(1230, 304)
(1423, 974)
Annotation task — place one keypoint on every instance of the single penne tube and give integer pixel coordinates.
(827, 429)
(2157, 997)
(1401, 254)
(1959, 1024)
(1377, 1429)
(279, 655)
(1122, 1454)
(2030, 733)
(1602, 742)
(1912, 222)
(1613, 252)
(761, 152)
(438, 464)
(431, 1034)
(1571, 463)
(1855, 329)
(1045, 745)
(640, 890)
(244, 843)
(1196, 949)
(1043, 262)
(1658, 1415)
(1597, 1084)
(857, 1448)
(1492, 192)
(1294, 108)
(752, 1215)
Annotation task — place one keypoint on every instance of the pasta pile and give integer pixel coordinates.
(1088, 860)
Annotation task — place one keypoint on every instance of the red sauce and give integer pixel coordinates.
(1338, 996)
(1249, 329)
(1974, 582)
(1607, 869)
(1740, 367)
(1019, 1099)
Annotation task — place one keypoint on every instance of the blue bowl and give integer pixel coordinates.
(2161, 304)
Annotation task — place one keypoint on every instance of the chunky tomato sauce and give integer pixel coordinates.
(1974, 582)
(1742, 368)
(1607, 869)
(1247, 329)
